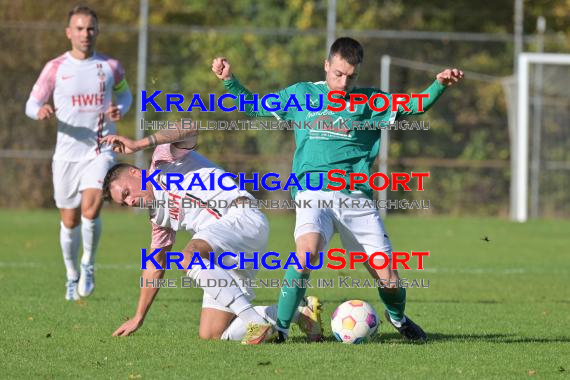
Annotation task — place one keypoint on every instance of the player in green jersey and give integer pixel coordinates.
(322, 148)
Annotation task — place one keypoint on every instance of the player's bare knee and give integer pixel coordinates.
(201, 246)
(70, 218)
(91, 203)
(195, 245)
(90, 213)
(90, 210)
(205, 335)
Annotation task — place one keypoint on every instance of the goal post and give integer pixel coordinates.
(519, 155)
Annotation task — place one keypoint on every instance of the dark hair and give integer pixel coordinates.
(348, 49)
(111, 176)
(81, 10)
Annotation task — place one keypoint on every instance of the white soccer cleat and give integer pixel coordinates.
(86, 280)
(310, 321)
(71, 291)
(258, 333)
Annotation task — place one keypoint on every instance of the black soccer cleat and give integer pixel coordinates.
(409, 330)
(281, 338)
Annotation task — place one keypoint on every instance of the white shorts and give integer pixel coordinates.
(360, 229)
(241, 229)
(71, 178)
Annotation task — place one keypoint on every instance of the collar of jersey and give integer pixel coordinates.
(80, 61)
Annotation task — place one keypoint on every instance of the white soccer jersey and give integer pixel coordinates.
(82, 92)
(167, 220)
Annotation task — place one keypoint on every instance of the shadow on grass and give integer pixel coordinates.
(494, 338)
(412, 301)
(395, 338)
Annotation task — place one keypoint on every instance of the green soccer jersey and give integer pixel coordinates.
(353, 141)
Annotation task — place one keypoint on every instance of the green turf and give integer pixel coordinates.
(498, 309)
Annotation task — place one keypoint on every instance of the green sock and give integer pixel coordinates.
(395, 301)
(290, 297)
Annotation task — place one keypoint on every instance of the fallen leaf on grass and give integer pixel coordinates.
(81, 303)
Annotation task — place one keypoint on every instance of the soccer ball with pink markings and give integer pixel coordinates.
(354, 322)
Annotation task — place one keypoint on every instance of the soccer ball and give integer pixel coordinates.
(354, 321)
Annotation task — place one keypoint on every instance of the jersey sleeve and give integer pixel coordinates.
(118, 74)
(433, 92)
(281, 97)
(120, 86)
(42, 90)
(162, 236)
(44, 86)
(166, 153)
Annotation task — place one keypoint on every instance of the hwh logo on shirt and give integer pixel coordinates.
(87, 100)
(174, 212)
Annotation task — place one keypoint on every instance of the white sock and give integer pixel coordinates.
(230, 296)
(236, 330)
(91, 232)
(69, 239)
(398, 323)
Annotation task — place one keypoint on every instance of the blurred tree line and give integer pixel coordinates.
(272, 44)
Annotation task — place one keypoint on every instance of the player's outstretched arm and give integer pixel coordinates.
(184, 137)
(146, 297)
(443, 80)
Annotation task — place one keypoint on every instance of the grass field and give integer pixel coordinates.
(498, 309)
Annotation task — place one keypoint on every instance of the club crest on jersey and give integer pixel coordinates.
(324, 127)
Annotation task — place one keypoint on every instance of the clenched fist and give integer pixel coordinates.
(221, 67)
(45, 112)
(449, 76)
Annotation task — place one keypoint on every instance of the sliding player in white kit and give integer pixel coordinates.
(226, 310)
(82, 83)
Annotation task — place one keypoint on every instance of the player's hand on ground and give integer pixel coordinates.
(114, 113)
(45, 112)
(449, 77)
(221, 67)
(121, 144)
(128, 327)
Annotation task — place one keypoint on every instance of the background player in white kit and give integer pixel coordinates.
(82, 83)
(216, 230)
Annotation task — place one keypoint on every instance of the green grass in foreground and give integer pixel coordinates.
(498, 309)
